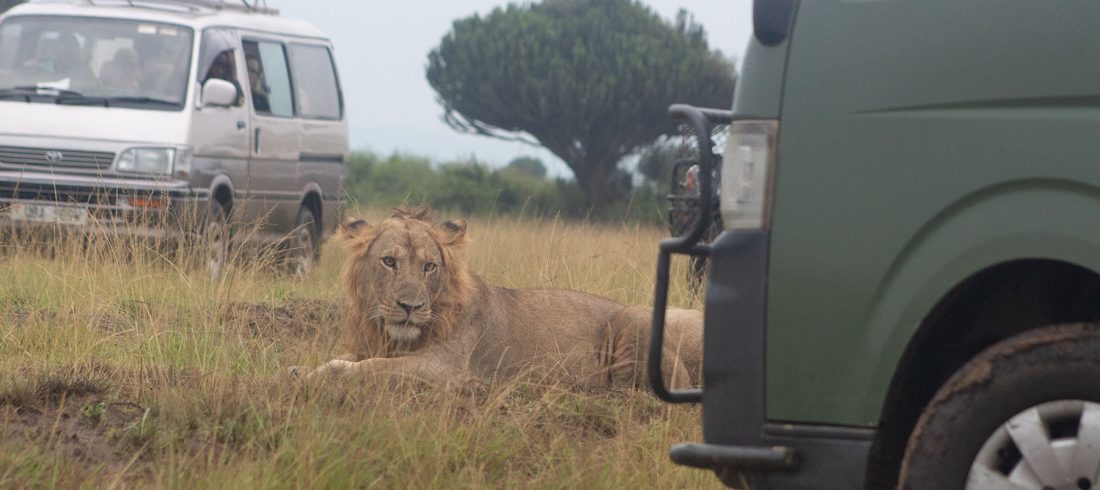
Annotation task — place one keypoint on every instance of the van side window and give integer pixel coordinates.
(268, 78)
(317, 92)
(218, 57)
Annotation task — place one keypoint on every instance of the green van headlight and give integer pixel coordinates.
(747, 169)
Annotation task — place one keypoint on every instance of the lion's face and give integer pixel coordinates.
(400, 271)
(403, 271)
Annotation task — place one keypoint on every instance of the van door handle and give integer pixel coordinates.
(240, 124)
(256, 141)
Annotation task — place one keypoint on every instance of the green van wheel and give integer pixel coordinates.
(1023, 414)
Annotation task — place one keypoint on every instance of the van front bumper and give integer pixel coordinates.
(138, 207)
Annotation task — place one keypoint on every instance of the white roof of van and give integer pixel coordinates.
(193, 14)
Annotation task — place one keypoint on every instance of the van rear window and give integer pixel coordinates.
(317, 92)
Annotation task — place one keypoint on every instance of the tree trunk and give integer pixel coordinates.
(598, 181)
(596, 174)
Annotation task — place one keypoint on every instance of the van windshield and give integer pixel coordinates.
(94, 61)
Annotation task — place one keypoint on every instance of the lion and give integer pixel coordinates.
(414, 308)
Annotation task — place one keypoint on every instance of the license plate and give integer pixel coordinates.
(66, 215)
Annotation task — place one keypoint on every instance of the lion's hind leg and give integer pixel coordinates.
(625, 348)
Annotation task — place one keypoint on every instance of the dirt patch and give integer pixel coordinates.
(95, 415)
(303, 318)
(82, 427)
(37, 389)
(67, 410)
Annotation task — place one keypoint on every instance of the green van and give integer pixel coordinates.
(906, 290)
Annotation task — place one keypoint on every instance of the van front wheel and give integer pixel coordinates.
(216, 238)
(1025, 413)
(303, 248)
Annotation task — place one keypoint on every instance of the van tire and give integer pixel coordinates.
(1017, 377)
(304, 245)
(215, 240)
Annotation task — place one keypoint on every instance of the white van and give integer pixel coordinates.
(114, 110)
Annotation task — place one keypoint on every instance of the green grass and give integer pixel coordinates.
(123, 368)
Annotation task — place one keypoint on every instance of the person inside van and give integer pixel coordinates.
(223, 68)
(121, 72)
(256, 83)
(71, 64)
(61, 59)
(163, 72)
(45, 56)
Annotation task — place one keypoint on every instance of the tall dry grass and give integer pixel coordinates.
(126, 365)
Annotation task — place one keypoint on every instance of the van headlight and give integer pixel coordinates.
(748, 167)
(161, 161)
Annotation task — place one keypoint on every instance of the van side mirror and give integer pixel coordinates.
(218, 93)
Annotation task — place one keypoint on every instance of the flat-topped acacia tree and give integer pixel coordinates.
(589, 80)
(7, 4)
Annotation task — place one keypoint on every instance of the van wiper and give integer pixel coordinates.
(143, 100)
(108, 101)
(18, 90)
(66, 96)
(16, 93)
(77, 98)
(46, 90)
(27, 91)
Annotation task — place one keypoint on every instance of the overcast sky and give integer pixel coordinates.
(382, 51)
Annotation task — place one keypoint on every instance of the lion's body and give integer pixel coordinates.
(562, 335)
(482, 331)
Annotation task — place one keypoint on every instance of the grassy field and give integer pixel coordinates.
(124, 369)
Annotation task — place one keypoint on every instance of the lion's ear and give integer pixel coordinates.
(452, 232)
(355, 229)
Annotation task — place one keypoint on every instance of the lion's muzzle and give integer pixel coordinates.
(405, 319)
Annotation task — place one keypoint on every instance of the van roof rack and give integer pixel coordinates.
(254, 6)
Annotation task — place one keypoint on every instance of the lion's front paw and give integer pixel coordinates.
(335, 366)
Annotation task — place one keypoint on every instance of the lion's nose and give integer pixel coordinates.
(409, 307)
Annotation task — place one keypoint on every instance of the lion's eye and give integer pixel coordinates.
(430, 266)
(389, 261)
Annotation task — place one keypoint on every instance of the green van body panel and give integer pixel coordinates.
(758, 88)
(920, 142)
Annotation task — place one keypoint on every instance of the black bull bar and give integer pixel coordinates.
(700, 121)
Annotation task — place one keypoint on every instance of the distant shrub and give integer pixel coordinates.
(470, 187)
(390, 181)
(529, 165)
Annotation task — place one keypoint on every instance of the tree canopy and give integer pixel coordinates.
(590, 80)
(7, 4)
